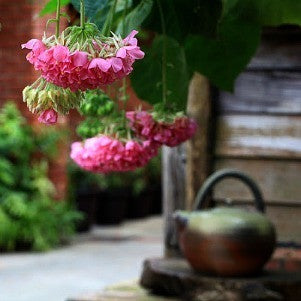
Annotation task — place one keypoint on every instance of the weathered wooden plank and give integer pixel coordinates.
(278, 51)
(263, 92)
(259, 136)
(279, 180)
(287, 220)
(173, 177)
(198, 148)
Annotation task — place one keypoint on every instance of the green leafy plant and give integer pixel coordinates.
(29, 216)
(214, 37)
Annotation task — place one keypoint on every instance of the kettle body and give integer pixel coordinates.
(226, 241)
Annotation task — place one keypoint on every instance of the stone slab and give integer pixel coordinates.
(175, 277)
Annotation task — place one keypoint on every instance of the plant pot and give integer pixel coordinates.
(156, 205)
(140, 205)
(86, 203)
(111, 206)
(148, 202)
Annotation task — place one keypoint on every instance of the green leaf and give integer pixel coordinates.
(50, 7)
(186, 17)
(147, 75)
(92, 7)
(222, 59)
(265, 12)
(135, 18)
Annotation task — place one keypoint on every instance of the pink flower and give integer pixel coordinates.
(82, 70)
(104, 154)
(170, 134)
(37, 47)
(48, 117)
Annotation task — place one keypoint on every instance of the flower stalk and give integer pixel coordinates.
(164, 54)
(82, 14)
(58, 18)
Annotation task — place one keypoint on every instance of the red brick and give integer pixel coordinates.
(20, 22)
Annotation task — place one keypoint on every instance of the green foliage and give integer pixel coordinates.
(185, 17)
(265, 12)
(29, 217)
(215, 37)
(96, 108)
(135, 17)
(149, 86)
(228, 54)
(92, 8)
(50, 7)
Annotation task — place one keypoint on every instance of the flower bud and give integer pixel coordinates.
(42, 96)
(48, 117)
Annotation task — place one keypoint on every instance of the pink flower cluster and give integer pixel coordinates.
(104, 154)
(77, 70)
(170, 134)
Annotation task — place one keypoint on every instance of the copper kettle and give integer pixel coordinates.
(226, 241)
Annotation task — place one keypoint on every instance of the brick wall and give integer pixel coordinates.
(20, 22)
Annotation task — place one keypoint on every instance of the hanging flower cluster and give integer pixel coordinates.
(74, 66)
(105, 154)
(81, 58)
(122, 143)
(47, 99)
(177, 130)
(113, 148)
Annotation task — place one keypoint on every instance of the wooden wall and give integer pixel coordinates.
(256, 129)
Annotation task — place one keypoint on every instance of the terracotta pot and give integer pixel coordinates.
(226, 241)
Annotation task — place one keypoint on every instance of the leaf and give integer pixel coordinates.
(92, 7)
(135, 18)
(265, 12)
(50, 7)
(222, 59)
(186, 17)
(147, 75)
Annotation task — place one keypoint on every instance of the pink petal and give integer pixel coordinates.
(136, 53)
(102, 64)
(121, 52)
(79, 58)
(130, 38)
(46, 55)
(30, 44)
(60, 53)
(116, 64)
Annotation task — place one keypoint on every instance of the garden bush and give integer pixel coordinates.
(30, 218)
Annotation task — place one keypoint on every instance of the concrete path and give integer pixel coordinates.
(93, 261)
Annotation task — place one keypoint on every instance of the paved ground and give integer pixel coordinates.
(104, 257)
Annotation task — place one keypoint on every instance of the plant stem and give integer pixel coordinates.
(82, 14)
(123, 17)
(124, 94)
(58, 18)
(124, 99)
(164, 55)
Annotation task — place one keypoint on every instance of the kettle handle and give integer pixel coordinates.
(229, 173)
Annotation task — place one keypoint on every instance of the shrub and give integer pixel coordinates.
(29, 216)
